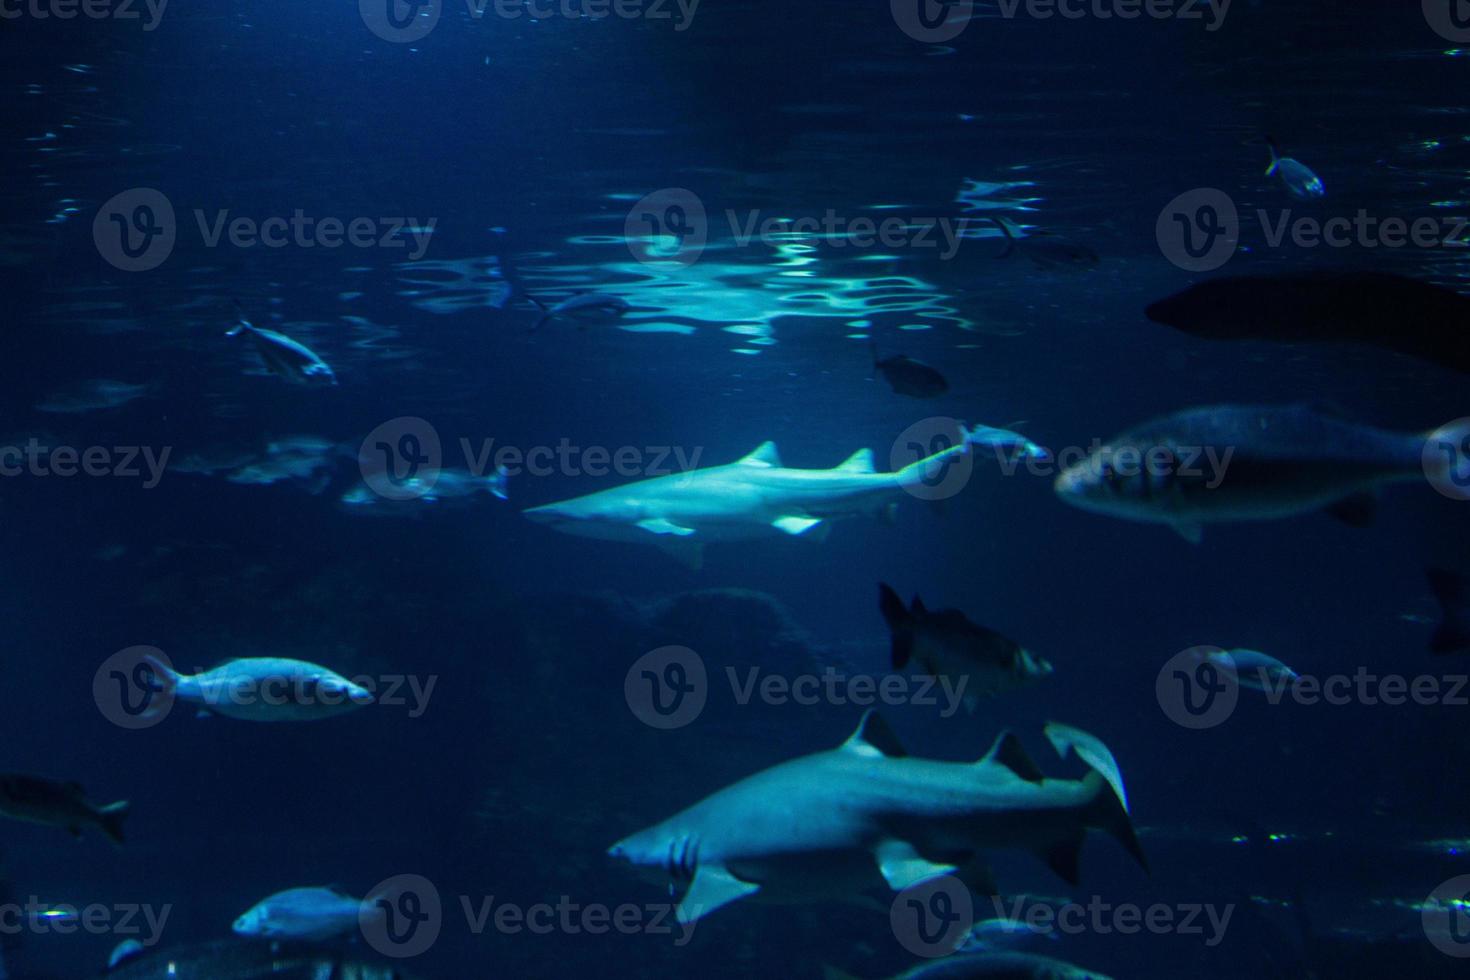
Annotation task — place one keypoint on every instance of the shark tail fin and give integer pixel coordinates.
(1453, 633)
(900, 624)
(110, 819)
(1107, 814)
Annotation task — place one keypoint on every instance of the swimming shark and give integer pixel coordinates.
(750, 498)
(865, 814)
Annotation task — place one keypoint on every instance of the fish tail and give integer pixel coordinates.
(900, 624)
(1275, 155)
(110, 819)
(1453, 633)
(1107, 813)
(542, 307)
(1006, 230)
(165, 677)
(242, 321)
(500, 482)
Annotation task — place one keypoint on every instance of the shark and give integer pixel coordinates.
(835, 824)
(753, 497)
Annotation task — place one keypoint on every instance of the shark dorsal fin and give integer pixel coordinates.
(859, 462)
(1009, 752)
(764, 455)
(874, 738)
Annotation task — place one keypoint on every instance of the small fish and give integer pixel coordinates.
(1453, 633)
(1389, 311)
(582, 307)
(234, 959)
(1248, 463)
(57, 804)
(91, 396)
(1046, 250)
(309, 914)
(907, 376)
(264, 689)
(993, 935)
(946, 643)
(284, 357)
(1301, 183)
(445, 486)
(992, 966)
(1005, 439)
(1251, 668)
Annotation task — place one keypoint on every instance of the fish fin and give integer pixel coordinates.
(712, 888)
(900, 625)
(1191, 531)
(688, 551)
(1453, 633)
(1090, 750)
(1065, 858)
(1006, 230)
(1009, 752)
(874, 738)
(1275, 155)
(242, 324)
(110, 818)
(124, 951)
(1359, 510)
(500, 482)
(917, 607)
(764, 456)
(859, 462)
(903, 867)
(795, 525)
(659, 525)
(1108, 815)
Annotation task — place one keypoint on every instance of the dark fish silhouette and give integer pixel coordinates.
(58, 804)
(1045, 249)
(582, 307)
(908, 376)
(1381, 309)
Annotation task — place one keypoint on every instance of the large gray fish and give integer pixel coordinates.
(288, 359)
(1394, 312)
(243, 960)
(831, 825)
(58, 804)
(1250, 463)
(991, 966)
(945, 643)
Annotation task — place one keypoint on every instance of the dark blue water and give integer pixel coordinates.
(527, 762)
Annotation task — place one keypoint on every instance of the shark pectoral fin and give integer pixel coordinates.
(712, 887)
(659, 525)
(902, 866)
(795, 524)
(874, 738)
(1191, 531)
(1009, 752)
(1065, 858)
